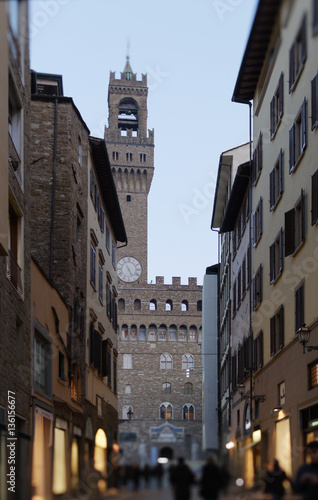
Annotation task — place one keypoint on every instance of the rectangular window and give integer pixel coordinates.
(257, 287)
(14, 259)
(276, 257)
(15, 127)
(107, 238)
(277, 107)
(259, 351)
(100, 288)
(257, 159)
(297, 137)
(299, 306)
(42, 364)
(314, 198)
(297, 54)
(115, 155)
(61, 366)
(142, 157)
(93, 265)
(109, 364)
(314, 102)
(258, 222)
(295, 226)
(102, 220)
(129, 156)
(114, 255)
(277, 334)
(313, 375)
(276, 182)
(115, 375)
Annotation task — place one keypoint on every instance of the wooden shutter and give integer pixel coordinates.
(289, 232)
(97, 351)
(314, 198)
(104, 358)
(314, 102)
(255, 354)
(273, 335)
(260, 217)
(280, 171)
(281, 340)
(302, 215)
(281, 95)
(92, 183)
(272, 262)
(260, 152)
(260, 283)
(254, 229)
(303, 131)
(299, 307)
(272, 189)
(291, 67)
(91, 343)
(281, 250)
(272, 117)
(292, 147)
(261, 348)
(303, 40)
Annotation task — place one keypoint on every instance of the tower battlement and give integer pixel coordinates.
(112, 135)
(176, 281)
(123, 78)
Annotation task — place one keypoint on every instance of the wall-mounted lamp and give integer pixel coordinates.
(229, 445)
(303, 336)
(277, 409)
(260, 398)
(130, 413)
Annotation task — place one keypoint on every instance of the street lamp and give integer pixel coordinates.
(130, 413)
(255, 397)
(303, 336)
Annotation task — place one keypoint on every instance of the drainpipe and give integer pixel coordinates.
(53, 191)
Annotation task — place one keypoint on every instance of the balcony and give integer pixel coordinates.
(14, 273)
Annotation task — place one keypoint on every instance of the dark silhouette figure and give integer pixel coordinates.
(181, 479)
(146, 475)
(307, 476)
(274, 478)
(211, 480)
(158, 473)
(135, 476)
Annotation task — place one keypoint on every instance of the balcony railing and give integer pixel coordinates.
(14, 273)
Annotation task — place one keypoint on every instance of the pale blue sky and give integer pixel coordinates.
(192, 51)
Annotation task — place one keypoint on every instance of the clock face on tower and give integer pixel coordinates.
(128, 269)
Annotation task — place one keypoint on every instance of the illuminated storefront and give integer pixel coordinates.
(42, 453)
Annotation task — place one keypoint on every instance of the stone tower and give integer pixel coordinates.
(131, 151)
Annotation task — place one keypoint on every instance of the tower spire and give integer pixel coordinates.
(127, 68)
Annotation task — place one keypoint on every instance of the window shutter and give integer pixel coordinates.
(91, 343)
(272, 117)
(281, 327)
(260, 152)
(314, 88)
(260, 215)
(104, 358)
(303, 131)
(299, 307)
(302, 215)
(255, 354)
(291, 67)
(281, 250)
(304, 40)
(97, 351)
(281, 95)
(254, 229)
(272, 263)
(254, 167)
(289, 232)
(272, 335)
(314, 198)
(280, 171)
(260, 283)
(261, 348)
(92, 183)
(272, 189)
(291, 147)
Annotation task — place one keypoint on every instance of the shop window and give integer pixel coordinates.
(59, 485)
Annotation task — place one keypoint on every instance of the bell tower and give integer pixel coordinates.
(130, 147)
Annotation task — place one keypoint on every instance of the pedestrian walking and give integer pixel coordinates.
(181, 478)
(307, 476)
(274, 480)
(211, 480)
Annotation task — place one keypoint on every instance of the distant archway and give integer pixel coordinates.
(166, 452)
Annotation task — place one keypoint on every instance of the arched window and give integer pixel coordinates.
(128, 389)
(187, 361)
(172, 332)
(137, 305)
(152, 332)
(100, 462)
(184, 305)
(127, 361)
(121, 304)
(188, 388)
(133, 332)
(153, 305)
(192, 333)
(183, 333)
(169, 305)
(142, 332)
(162, 332)
(128, 113)
(165, 412)
(188, 412)
(128, 412)
(199, 305)
(124, 332)
(166, 362)
(166, 388)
